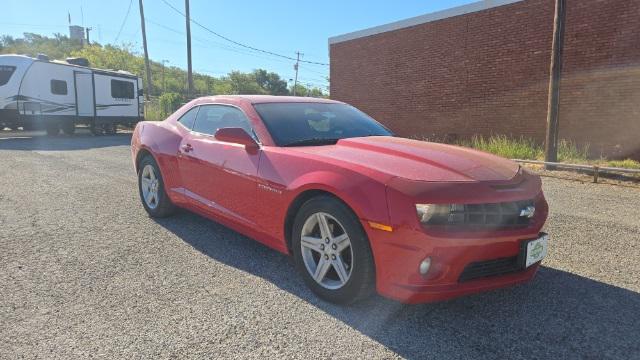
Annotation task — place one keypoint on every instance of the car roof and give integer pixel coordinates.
(261, 99)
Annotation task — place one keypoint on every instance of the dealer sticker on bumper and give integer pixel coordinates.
(537, 249)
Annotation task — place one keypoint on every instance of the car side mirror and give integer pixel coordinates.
(236, 135)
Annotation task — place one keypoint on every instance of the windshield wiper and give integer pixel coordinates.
(313, 141)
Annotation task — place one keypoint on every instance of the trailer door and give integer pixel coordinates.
(85, 95)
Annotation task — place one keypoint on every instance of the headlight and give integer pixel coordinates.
(440, 213)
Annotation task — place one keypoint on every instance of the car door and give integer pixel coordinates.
(219, 177)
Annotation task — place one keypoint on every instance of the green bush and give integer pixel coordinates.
(527, 149)
(152, 111)
(169, 102)
(504, 146)
(626, 163)
(568, 151)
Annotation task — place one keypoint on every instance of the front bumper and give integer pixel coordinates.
(398, 253)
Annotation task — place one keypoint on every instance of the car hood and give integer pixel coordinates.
(417, 160)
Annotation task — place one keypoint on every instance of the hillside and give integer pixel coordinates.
(124, 58)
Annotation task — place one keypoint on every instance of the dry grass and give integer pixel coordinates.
(527, 149)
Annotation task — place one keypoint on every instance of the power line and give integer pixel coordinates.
(238, 43)
(124, 21)
(220, 45)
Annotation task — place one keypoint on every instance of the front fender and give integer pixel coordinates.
(366, 197)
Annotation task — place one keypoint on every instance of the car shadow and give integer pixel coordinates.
(38, 141)
(557, 315)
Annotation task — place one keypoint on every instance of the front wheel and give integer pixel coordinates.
(152, 191)
(332, 251)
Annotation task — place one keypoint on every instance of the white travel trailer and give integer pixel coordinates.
(36, 93)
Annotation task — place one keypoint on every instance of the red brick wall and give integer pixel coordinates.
(487, 73)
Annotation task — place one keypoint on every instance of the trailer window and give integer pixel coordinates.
(58, 87)
(5, 73)
(122, 89)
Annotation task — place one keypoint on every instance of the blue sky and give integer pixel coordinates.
(279, 26)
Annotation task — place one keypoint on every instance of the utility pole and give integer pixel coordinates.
(88, 30)
(555, 74)
(189, 71)
(146, 53)
(295, 67)
(164, 84)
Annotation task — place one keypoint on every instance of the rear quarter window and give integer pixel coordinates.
(5, 73)
(189, 118)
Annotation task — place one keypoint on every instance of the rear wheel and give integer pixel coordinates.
(332, 251)
(152, 191)
(52, 128)
(68, 127)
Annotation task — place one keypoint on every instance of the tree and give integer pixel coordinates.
(271, 82)
(243, 83)
(259, 81)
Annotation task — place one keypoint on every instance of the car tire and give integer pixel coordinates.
(356, 278)
(152, 191)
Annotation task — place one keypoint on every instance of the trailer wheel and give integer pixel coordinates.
(95, 129)
(110, 129)
(52, 128)
(68, 128)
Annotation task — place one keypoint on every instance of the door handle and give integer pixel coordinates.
(187, 148)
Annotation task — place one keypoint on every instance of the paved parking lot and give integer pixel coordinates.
(85, 273)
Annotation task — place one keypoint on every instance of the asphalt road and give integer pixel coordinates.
(84, 272)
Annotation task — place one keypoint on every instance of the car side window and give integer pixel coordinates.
(213, 117)
(189, 118)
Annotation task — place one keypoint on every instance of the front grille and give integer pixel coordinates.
(488, 268)
(489, 215)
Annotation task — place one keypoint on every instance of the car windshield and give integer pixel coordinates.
(305, 124)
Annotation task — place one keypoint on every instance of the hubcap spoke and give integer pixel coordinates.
(338, 265)
(325, 231)
(312, 243)
(321, 269)
(342, 242)
(150, 197)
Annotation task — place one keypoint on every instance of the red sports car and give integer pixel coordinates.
(358, 208)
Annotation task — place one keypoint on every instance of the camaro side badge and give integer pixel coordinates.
(268, 188)
(528, 212)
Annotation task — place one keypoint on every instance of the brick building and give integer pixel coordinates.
(483, 68)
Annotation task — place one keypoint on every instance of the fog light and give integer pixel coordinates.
(425, 265)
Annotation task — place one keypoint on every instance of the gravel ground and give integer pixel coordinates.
(85, 273)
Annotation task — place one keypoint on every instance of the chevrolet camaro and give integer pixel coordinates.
(359, 209)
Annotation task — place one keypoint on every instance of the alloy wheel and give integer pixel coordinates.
(150, 185)
(326, 251)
